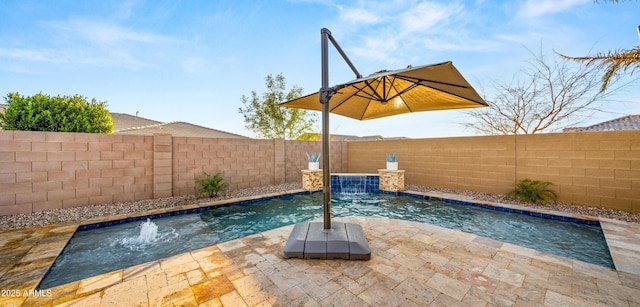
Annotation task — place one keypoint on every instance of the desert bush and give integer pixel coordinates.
(533, 191)
(211, 184)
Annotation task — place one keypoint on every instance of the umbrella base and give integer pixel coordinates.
(309, 240)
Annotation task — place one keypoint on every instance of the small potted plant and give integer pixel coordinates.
(314, 161)
(392, 162)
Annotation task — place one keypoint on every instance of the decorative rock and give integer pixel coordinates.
(312, 180)
(392, 181)
(56, 216)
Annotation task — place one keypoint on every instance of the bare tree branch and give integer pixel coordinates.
(545, 96)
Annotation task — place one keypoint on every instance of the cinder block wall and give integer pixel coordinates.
(484, 164)
(296, 157)
(600, 169)
(49, 170)
(243, 163)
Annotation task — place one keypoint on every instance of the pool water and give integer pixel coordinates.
(97, 251)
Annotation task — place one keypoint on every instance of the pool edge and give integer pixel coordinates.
(622, 262)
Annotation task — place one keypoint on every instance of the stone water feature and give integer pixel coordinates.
(385, 180)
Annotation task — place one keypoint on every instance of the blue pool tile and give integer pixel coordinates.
(511, 210)
(365, 183)
(180, 212)
(390, 192)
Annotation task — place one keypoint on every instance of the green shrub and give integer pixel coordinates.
(211, 184)
(42, 112)
(533, 191)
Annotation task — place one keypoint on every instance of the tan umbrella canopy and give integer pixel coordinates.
(385, 93)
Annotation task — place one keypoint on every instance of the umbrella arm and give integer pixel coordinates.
(326, 32)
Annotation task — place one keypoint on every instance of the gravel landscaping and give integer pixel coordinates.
(82, 213)
(558, 206)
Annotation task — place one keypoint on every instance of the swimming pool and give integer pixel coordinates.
(94, 250)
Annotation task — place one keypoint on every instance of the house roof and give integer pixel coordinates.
(133, 124)
(629, 122)
(130, 124)
(123, 121)
(348, 138)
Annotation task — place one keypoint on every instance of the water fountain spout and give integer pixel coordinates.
(148, 232)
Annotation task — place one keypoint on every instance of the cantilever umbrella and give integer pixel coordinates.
(385, 93)
(414, 89)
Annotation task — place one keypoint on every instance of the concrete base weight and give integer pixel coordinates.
(309, 240)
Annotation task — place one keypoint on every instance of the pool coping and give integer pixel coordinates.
(29, 262)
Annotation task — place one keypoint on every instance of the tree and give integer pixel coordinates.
(613, 62)
(42, 112)
(542, 97)
(263, 116)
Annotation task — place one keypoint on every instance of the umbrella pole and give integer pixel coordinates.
(325, 94)
(347, 240)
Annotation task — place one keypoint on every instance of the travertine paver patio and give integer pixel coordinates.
(413, 264)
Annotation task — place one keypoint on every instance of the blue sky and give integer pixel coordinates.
(193, 60)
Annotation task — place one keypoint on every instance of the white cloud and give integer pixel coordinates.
(386, 31)
(427, 15)
(94, 43)
(126, 9)
(196, 65)
(536, 8)
(73, 56)
(376, 47)
(24, 54)
(358, 15)
(106, 33)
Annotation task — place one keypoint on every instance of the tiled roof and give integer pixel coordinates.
(629, 122)
(129, 124)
